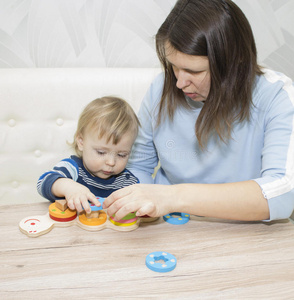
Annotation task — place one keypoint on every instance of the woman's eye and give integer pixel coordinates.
(196, 72)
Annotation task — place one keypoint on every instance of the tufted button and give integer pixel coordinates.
(38, 153)
(11, 123)
(15, 184)
(59, 122)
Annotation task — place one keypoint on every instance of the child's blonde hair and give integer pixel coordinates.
(111, 117)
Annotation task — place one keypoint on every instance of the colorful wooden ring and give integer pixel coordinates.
(130, 216)
(124, 223)
(93, 221)
(61, 216)
(161, 261)
(97, 208)
(177, 218)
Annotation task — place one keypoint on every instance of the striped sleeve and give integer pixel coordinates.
(67, 168)
(277, 181)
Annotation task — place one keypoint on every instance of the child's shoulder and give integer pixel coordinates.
(70, 161)
(74, 160)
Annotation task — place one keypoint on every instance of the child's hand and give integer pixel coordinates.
(76, 195)
(78, 200)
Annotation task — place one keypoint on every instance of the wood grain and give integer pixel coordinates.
(216, 259)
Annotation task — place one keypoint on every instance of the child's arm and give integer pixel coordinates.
(76, 194)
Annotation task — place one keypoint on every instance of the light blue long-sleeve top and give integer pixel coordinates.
(261, 149)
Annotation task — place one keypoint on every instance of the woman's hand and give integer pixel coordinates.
(76, 194)
(236, 201)
(144, 199)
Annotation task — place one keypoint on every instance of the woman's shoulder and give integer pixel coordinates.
(272, 86)
(154, 92)
(274, 77)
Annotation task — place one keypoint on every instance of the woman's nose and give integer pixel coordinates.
(182, 80)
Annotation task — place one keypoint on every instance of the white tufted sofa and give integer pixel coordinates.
(39, 112)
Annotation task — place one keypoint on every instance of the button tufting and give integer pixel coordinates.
(15, 184)
(11, 123)
(38, 153)
(59, 122)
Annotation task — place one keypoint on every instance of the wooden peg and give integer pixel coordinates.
(61, 204)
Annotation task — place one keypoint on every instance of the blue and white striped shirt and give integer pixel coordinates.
(73, 168)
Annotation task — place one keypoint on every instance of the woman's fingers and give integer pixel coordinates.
(148, 209)
(117, 195)
(139, 198)
(121, 207)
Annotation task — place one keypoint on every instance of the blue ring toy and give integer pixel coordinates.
(169, 261)
(97, 208)
(180, 220)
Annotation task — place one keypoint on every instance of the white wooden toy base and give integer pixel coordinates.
(35, 226)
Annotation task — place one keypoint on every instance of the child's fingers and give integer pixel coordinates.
(86, 206)
(93, 199)
(71, 205)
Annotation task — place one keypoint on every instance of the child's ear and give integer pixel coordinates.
(80, 142)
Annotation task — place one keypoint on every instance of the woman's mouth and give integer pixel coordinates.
(192, 95)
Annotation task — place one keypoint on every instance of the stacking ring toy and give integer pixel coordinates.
(96, 208)
(161, 261)
(128, 220)
(93, 221)
(61, 216)
(180, 219)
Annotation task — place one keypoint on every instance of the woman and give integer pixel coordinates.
(220, 125)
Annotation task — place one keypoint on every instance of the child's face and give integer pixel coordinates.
(104, 159)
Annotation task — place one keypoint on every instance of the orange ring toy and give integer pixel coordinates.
(61, 216)
(93, 221)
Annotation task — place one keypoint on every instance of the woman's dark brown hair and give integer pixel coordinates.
(219, 30)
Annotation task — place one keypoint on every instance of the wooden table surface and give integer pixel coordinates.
(215, 260)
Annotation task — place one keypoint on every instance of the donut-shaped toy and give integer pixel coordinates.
(161, 261)
(129, 220)
(93, 221)
(61, 216)
(96, 208)
(129, 216)
(177, 218)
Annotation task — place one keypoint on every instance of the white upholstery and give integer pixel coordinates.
(39, 112)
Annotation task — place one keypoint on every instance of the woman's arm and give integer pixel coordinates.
(237, 201)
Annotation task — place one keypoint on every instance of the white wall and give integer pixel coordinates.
(119, 33)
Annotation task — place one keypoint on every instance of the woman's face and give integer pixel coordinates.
(191, 71)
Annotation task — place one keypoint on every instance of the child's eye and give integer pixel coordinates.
(101, 152)
(122, 155)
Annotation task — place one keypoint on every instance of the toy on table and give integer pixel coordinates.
(60, 215)
(177, 218)
(160, 261)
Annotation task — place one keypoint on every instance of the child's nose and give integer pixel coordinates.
(110, 160)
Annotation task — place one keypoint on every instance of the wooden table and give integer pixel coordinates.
(215, 260)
